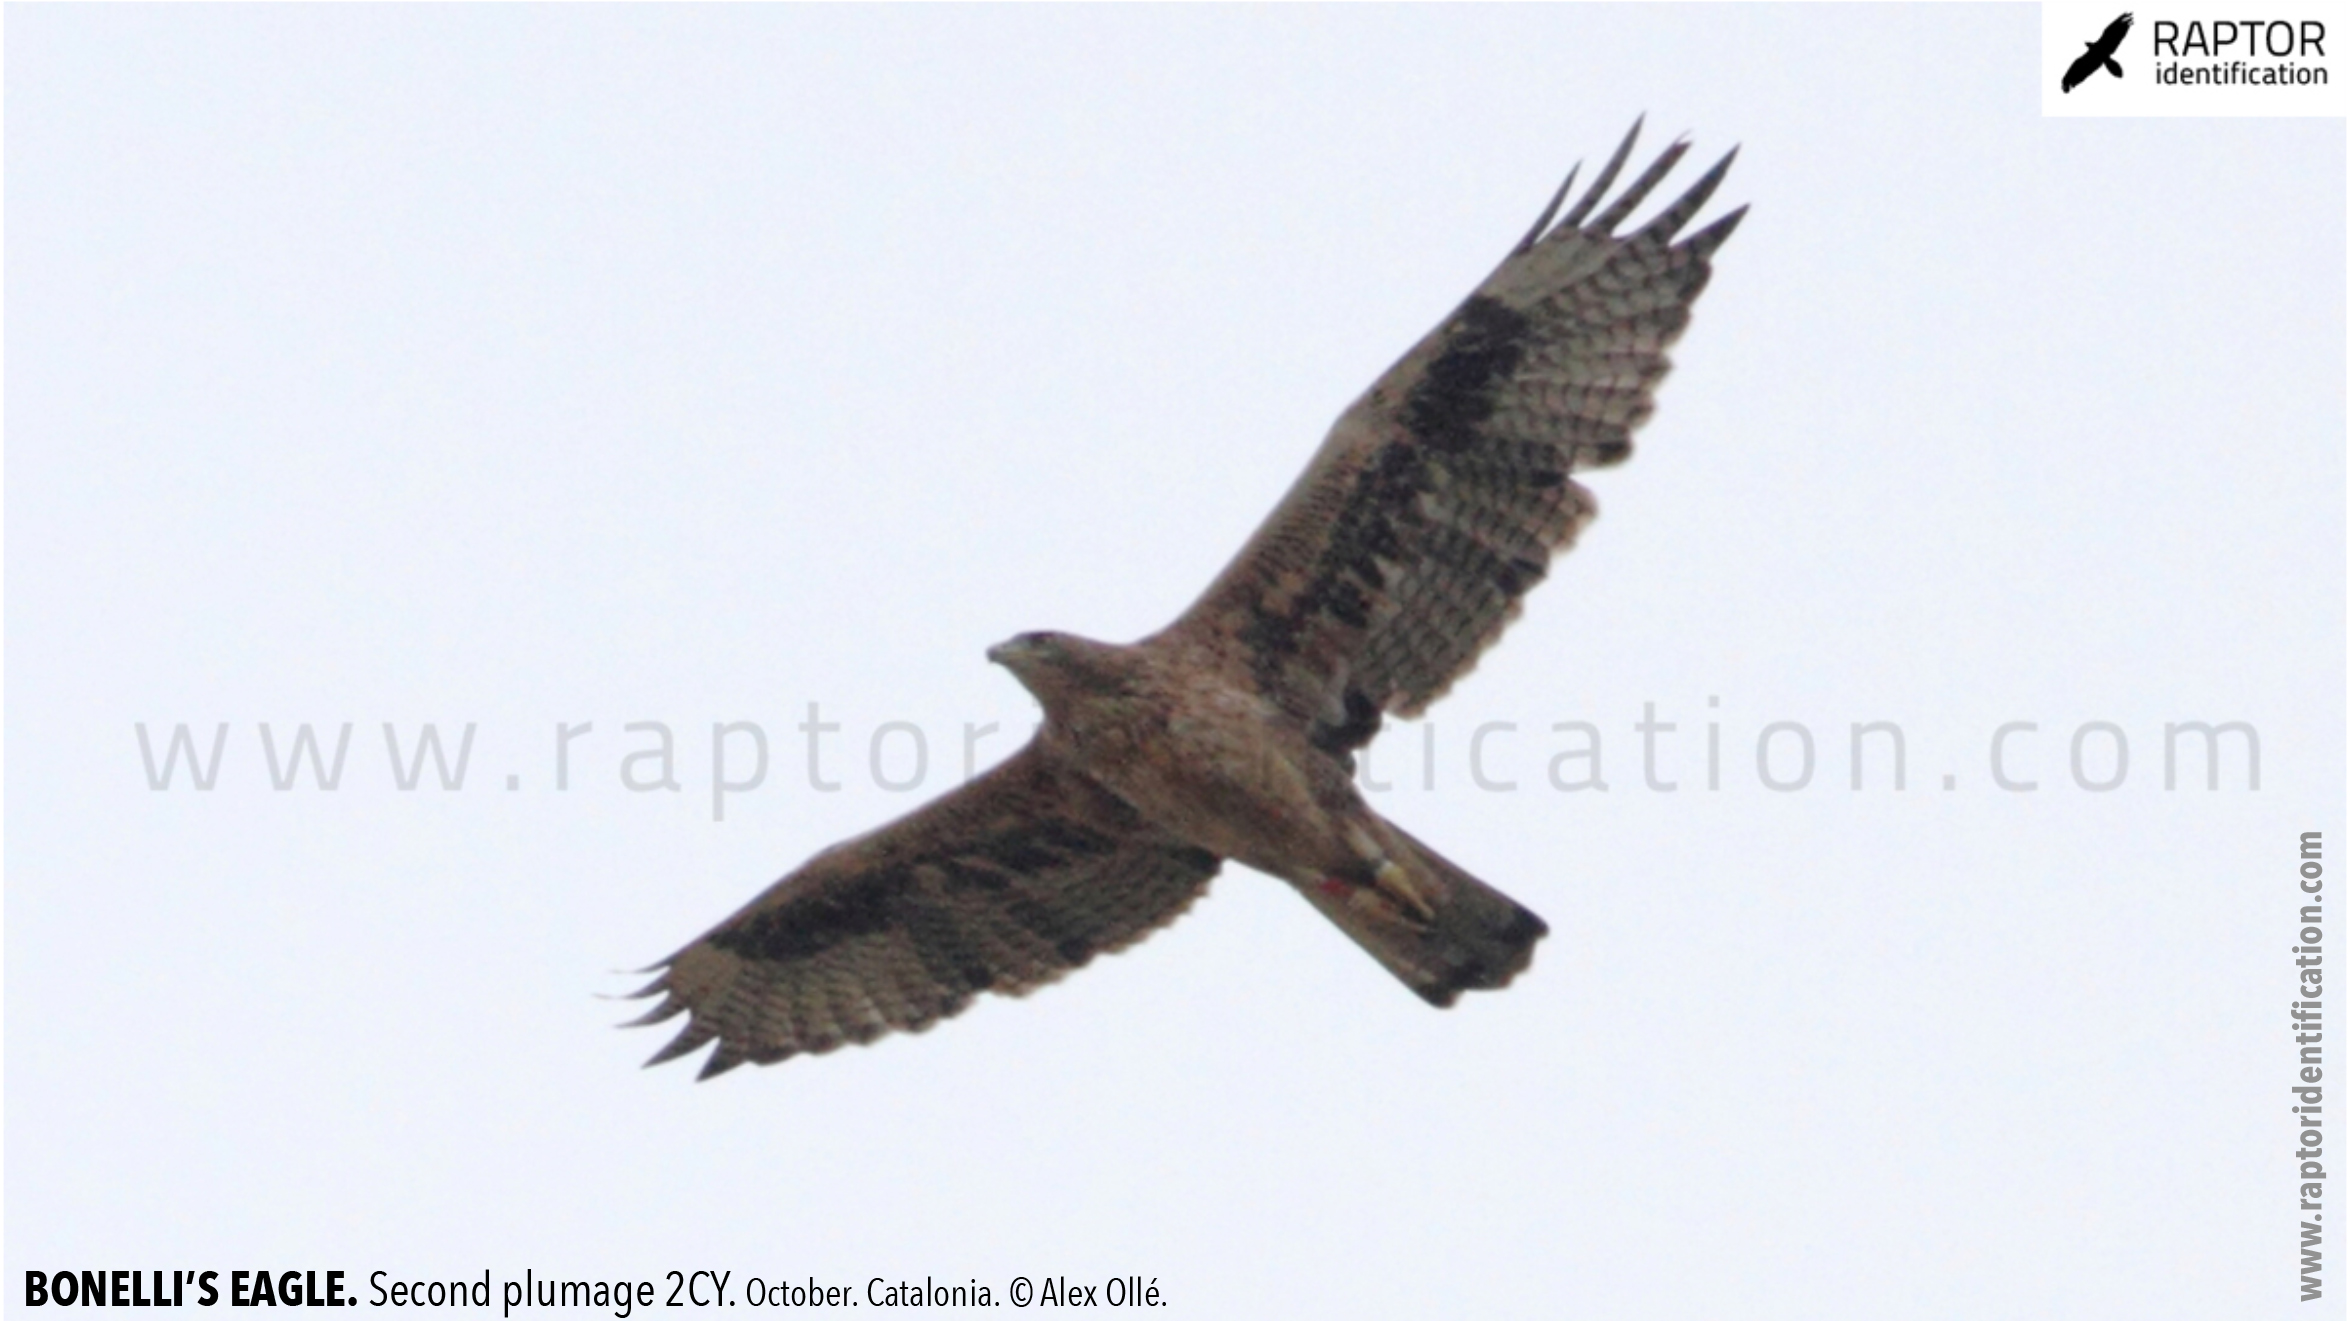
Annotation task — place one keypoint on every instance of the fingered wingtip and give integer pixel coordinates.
(653, 987)
(1637, 192)
(721, 1061)
(659, 1013)
(1607, 177)
(1549, 213)
(1704, 241)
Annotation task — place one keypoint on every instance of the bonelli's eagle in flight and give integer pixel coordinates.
(1401, 553)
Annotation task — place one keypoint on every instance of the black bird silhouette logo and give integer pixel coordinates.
(2099, 55)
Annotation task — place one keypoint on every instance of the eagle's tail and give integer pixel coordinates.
(1439, 929)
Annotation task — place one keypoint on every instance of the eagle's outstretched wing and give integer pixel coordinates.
(1001, 885)
(1440, 495)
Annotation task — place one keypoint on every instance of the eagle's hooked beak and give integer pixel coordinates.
(1013, 652)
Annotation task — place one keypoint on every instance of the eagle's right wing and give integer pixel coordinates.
(1001, 885)
(1440, 495)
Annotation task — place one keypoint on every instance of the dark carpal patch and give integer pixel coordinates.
(1346, 576)
(1379, 518)
(1040, 845)
(1457, 395)
(806, 929)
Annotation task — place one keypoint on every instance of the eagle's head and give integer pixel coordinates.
(1058, 667)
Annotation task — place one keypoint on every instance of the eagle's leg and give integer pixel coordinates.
(1390, 877)
(1398, 884)
(1360, 891)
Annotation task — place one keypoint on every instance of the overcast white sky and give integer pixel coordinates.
(526, 366)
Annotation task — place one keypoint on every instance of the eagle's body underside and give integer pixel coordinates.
(1170, 730)
(1397, 558)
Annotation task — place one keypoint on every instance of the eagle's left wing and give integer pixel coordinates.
(1003, 884)
(1440, 495)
